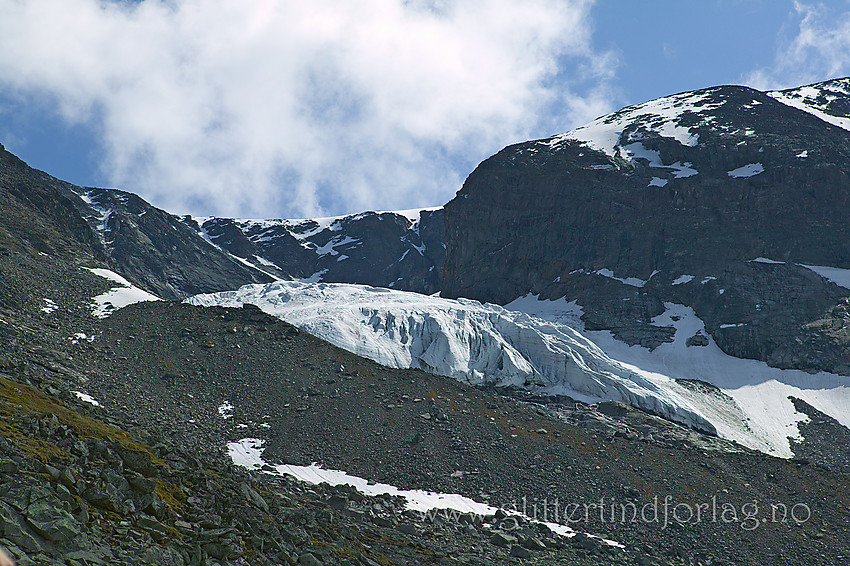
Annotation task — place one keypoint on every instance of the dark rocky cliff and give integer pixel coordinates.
(149, 246)
(156, 249)
(175, 257)
(688, 189)
(403, 251)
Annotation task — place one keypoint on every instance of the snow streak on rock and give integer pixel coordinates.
(247, 453)
(826, 100)
(663, 116)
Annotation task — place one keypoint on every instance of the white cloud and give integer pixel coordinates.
(274, 107)
(819, 49)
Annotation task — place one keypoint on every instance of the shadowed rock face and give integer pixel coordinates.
(157, 250)
(38, 210)
(149, 246)
(176, 257)
(382, 249)
(696, 184)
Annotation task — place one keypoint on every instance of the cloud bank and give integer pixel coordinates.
(818, 49)
(284, 108)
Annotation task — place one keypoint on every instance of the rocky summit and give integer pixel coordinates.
(139, 429)
(729, 200)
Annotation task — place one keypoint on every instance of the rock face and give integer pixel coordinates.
(383, 249)
(155, 249)
(672, 200)
(38, 212)
(152, 248)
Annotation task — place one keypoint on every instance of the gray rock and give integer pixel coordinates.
(153, 505)
(162, 556)
(251, 495)
(337, 502)
(698, 339)
(226, 548)
(54, 473)
(54, 523)
(8, 466)
(382, 521)
(518, 551)
(502, 539)
(309, 559)
(68, 478)
(141, 484)
(581, 540)
(99, 556)
(119, 481)
(17, 495)
(106, 496)
(158, 530)
(65, 495)
(533, 543)
(14, 528)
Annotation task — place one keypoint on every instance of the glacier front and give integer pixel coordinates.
(466, 340)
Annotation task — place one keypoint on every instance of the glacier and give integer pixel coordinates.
(479, 344)
(542, 346)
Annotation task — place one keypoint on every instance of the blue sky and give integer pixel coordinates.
(276, 108)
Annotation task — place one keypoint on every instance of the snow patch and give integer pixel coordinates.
(118, 297)
(105, 213)
(749, 170)
(264, 261)
(661, 116)
(330, 247)
(682, 279)
(637, 150)
(633, 281)
(757, 412)
(75, 339)
(225, 410)
(49, 306)
(837, 275)
(765, 260)
(247, 453)
(315, 278)
(805, 99)
(87, 398)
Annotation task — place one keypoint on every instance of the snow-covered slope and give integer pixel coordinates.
(545, 350)
(676, 117)
(828, 100)
(118, 297)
